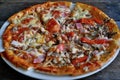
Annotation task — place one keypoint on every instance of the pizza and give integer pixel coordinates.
(60, 38)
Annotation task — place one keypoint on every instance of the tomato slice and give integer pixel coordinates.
(18, 32)
(95, 41)
(26, 21)
(98, 21)
(100, 41)
(86, 40)
(21, 38)
(56, 14)
(53, 26)
(70, 34)
(86, 21)
(22, 30)
(78, 60)
(90, 21)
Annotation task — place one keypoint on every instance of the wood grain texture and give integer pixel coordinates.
(110, 7)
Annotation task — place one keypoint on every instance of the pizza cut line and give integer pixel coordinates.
(55, 39)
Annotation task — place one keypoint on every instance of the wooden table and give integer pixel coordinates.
(110, 7)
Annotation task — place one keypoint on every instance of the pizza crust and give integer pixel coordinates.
(18, 62)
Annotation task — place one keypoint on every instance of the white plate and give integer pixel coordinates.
(37, 75)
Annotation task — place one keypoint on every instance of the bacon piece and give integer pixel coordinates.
(39, 59)
(80, 27)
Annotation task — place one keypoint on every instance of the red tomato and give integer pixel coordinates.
(98, 21)
(22, 30)
(53, 26)
(90, 21)
(78, 60)
(86, 21)
(26, 21)
(18, 32)
(56, 14)
(95, 41)
(100, 41)
(21, 38)
(86, 40)
(70, 34)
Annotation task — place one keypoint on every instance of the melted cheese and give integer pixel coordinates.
(35, 52)
(80, 13)
(74, 50)
(62, 9)
(40, 38)
(81, 55)
(16, 43)
(50, 43)
(99, 54)
(46, 17)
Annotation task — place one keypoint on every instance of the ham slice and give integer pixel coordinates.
(80, 27)
(39, 59)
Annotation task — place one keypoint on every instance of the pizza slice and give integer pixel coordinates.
(99, 31)
(57, 10)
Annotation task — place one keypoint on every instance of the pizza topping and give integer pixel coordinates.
(86, 68)
(64, 37)
(74, 50)
(86, 21)
(56, 14)
(59, 13)
(39, 59)
(99, 54)
(26, 21)
(16, 43)
(45, 17)
(70, 34)
(90, 21)
(111, 34)
(50, 43)
(61, 47)
(80, 13)
(18, 31)
(53, 26)
(78, 60)
(95, 41)
(80, 27)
